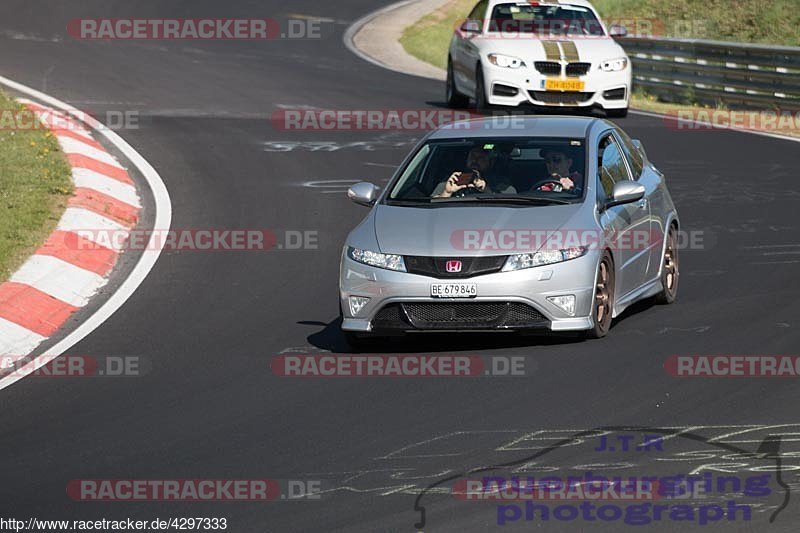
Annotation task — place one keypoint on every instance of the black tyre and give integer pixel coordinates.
(670, 272)
(617, 113)
(455, 100)
(358, 342)
(603, 305)
(481, 104)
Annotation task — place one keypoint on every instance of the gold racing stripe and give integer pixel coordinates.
(569, 51)
(552, 50)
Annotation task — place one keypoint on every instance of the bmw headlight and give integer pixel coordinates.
(614, 65)
(500, 60)
(387, 261)
(544, 257)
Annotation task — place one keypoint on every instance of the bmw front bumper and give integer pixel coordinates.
(526, 85)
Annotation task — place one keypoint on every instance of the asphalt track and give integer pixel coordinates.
(209, 323)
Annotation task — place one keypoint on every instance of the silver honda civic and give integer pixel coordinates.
(507, 224)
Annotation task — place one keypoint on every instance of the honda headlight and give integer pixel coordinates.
(544, 257)
(614, 65)
(387, 261)
(500, 60)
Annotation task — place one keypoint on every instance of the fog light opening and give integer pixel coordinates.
(357, 303)
(566, 303)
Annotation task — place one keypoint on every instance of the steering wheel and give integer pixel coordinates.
(556, 183)
(466, 191)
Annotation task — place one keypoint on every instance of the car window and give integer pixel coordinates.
(632, 154)
(410, 183)
(543, 168)
(561, 19)
(479, 12)
(611, 166)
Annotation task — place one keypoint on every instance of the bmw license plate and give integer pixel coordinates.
(454, 290)
(564, 85)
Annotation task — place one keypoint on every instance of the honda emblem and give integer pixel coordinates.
(453, 267)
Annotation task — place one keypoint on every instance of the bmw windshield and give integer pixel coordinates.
(562, 19)
(530, 171)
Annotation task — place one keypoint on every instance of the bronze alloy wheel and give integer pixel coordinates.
(603, 308)
(669, 270)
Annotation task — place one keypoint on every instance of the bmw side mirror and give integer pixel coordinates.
(471, 26)
(618, 30)
(364, 193)
(625, 192)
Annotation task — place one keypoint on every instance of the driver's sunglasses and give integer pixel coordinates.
(555, 160)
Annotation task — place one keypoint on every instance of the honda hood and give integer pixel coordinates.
(462, 231)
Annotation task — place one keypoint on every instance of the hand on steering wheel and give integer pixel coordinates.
(468, 190)
(549, 186)
(555, 185)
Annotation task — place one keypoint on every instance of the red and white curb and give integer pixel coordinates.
(69, 269)
(65, 272)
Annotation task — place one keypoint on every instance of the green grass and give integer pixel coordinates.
(747, 21)
(429, 38)
(34, 186)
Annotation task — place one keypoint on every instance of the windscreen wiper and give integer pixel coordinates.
(420, 202)
(521, 199)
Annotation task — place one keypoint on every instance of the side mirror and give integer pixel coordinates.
(625, 192)
(471, 26)
(364, 193)
(639, 146)
(618, 30)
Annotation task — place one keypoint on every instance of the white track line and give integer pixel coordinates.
(61, 280)
(84, 177)
(716, 126)
(163, 220)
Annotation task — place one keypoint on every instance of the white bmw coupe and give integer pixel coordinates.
(548, 54)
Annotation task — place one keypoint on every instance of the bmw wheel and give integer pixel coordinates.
(455, 100)
(480, 90)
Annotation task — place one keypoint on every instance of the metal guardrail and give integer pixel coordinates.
(712, 72)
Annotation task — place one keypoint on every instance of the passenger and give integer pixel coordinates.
(560, 176)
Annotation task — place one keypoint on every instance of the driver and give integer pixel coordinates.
(560, 176)
(482, 163)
